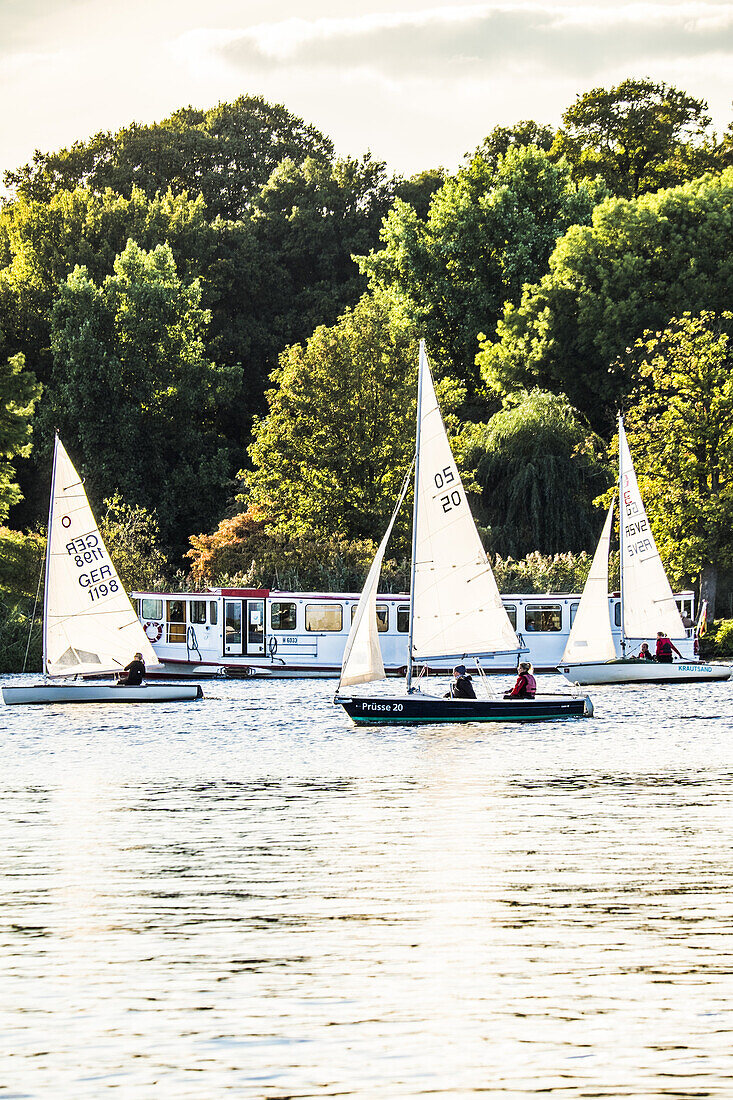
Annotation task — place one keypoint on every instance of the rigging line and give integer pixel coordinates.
(33, 617)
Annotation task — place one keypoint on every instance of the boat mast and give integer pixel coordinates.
(48, 553)
(621, 520)
(414, 515)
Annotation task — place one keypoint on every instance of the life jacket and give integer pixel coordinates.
(531, 685)
(664, 647)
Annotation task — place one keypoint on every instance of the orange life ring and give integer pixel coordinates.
(153, 632)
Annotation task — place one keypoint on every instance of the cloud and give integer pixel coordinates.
(467, 42)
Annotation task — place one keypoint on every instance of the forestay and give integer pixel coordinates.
(648, 603)
(590, 636)
(89, 623)
(456, 607)
(362, 661)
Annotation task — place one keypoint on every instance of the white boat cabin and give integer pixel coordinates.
(258, 632)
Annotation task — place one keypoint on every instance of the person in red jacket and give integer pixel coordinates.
(664, 649)
(526, 685)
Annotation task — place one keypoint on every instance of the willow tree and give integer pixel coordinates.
(680, 430)
(540, 470)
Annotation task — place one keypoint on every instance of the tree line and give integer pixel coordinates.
(220, 316)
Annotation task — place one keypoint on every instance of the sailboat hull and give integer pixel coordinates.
(100, 693)
(417, 709)
(632, 671)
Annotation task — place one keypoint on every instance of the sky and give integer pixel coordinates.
(417, 84)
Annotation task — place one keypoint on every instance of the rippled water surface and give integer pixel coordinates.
(249, 897)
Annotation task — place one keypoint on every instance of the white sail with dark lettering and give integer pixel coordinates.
(648, 604)
(457, 609)
(89, 623)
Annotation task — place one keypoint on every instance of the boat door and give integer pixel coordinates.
(244, 627)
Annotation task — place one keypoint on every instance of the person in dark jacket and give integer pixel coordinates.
(461, 688)
(664, 649)
(135, 672)
(645, 653)
(526, 685)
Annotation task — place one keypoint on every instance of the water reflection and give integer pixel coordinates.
(253, 898)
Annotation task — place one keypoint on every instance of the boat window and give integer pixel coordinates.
(198, 611)
(324, 616)
(617, 614)
(511, 610)
(283, 616)
(403, 618)
(573, 612)
(152, 609)
(543, 617)
(213, 613)
(382, 616)
(176, 620)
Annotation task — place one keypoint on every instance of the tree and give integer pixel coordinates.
(134, 395)
(132, 536)
(639, 263)
(680, 429)
(19, 393)
(330, 455)
(540, 468)
(497, 144)
(638, 137)
(488, 232)
(225, 153)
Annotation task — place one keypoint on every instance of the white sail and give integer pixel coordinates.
(89, 623)
(590, 636)
(362, 661)
(648, 603)
(456, 607)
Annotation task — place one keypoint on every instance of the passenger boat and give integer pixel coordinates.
(89, 625)
(647, 604)
(244, 632)
(455, 611)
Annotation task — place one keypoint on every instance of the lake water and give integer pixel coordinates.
(249, 897)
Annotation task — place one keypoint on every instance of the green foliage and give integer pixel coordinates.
(132, 535)
(330, 456)
(497, 144)
(638, 137)
(19, 393)
(16, 624)
(489, 231)
(680, 430)
(639, 263)
(21, 561)
(540, 468)
(133, 394)
(225, 153)
(718, 641)
(538, 573)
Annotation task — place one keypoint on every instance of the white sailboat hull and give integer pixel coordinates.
(632, 671)
(99, 693)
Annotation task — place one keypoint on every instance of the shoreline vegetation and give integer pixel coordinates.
(220, 316)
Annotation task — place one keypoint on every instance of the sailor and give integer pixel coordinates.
(664, 649)
(645, 653)
(461, 687)
(526, 685)
(135, 672)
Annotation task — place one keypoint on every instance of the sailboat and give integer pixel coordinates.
(89, 625)
(647, 603)
(456, 612)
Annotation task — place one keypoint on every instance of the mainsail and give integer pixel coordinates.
(648, 603)
(590, 636)
(89, 623)
(456, 607)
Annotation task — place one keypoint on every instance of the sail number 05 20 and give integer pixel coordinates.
(452, 499)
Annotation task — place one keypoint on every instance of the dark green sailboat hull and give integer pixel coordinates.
(411, 710)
